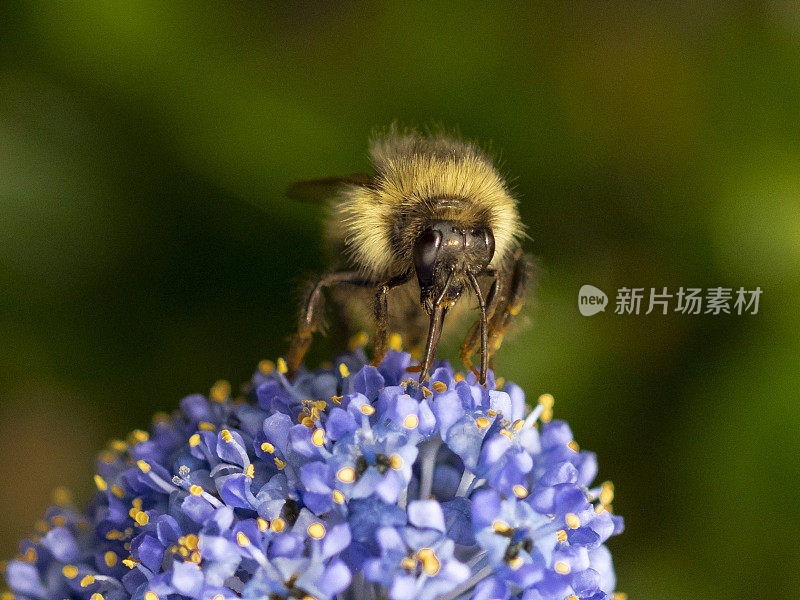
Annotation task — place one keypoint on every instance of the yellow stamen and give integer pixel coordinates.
(206, 426)
(336, 399)
(218, 597)
(316, 531)
(518, 424)
(346, 475)
(250, 471)
(562, 568)
(226, 436)
(242, 539)
(546, 400)
(607, 493)
(395, 342)
(308, 422)
(117, 491)
(220, 391)
(547, 415)
(561, 535)
(458, 377)
(491, 413)
(507, 433)
(482, 422)
(411, 422)
(572, 520)
(107, 456)
(501, 527)
(137, 503)
(129, 562)
(137, 435)
(358, 340)
(191, 541)
(118, 445)
(70, 571)
(267, 447)
(367, 409)
(282, 366)
(266, 366)
(279, 463)
(277, 525)
(318, 437)
(196, 490)
(430, 564)
(151, 596)
(87, 581)
(439, 386)
(396, 462)
(516, 562)
(409, 563)
(100, 483)
(426, 392)
(619, 596)
(338, 497)
(520, 491)
(111, 558)
(97, 596)
(143, 466)
(30, 555)
(573, 445)
(142, 518)
(195, 557)
(263, 524)
(343, 370)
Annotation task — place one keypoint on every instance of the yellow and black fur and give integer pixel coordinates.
(430, 187)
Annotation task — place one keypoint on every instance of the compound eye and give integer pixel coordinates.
(426, 249)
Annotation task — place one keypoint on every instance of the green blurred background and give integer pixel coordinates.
(146, 248)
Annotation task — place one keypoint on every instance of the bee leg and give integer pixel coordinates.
(434, 333)
(381, 306)
(505, 300)
(309, 321)
(483, 328)
(474, 336)
(518, 276)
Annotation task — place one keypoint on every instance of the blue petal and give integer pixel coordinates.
(187, 578)
(368, 381)
(24, 579)
(61, 544)
(426, 514)
(335, 579)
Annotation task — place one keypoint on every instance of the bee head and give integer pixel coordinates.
(444, 248)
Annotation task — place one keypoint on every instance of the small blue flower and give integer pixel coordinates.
(352, 481)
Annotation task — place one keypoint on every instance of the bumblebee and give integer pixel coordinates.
(435, 221)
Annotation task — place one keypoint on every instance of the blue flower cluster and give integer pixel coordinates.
(352, 482)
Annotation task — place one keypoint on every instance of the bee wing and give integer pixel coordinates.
(325, 188)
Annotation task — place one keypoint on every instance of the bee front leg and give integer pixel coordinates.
(310, 317)
(381, 310)
(505, 300)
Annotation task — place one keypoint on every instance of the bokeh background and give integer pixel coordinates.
(147, 250)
